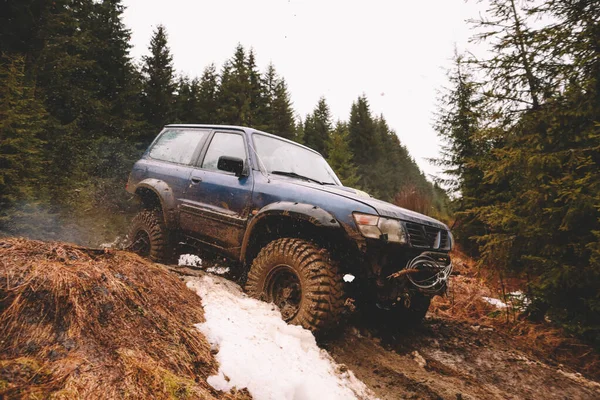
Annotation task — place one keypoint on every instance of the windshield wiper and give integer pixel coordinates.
(295, 175)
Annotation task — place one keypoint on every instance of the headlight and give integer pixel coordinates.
(375, 227)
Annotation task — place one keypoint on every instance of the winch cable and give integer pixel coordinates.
(432, 284)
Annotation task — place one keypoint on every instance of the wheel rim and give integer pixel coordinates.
(283, 288)
(141, 243)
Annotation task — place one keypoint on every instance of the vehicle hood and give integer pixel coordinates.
(383, 208)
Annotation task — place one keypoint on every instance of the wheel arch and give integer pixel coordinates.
(295, 220)
(157, 194)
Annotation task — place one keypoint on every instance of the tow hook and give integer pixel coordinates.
(407, 301)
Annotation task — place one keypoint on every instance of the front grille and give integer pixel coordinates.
(445, 242)
(426, 236)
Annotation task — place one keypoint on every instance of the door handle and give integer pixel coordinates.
(196, 180)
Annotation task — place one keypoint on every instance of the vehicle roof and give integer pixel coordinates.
(246, 129)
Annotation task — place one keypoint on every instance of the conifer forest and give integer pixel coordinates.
(520, 186)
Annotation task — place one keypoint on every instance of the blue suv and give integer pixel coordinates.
(277, 210)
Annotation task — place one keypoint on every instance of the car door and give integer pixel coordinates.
(172, 156)
(217, 203)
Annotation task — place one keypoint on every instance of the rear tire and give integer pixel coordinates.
(302, 280)
(149, 237)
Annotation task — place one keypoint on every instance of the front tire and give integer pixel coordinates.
(149, 237)
(302, 280)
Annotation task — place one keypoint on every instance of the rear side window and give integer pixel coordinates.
(224, 144)
(177, 145)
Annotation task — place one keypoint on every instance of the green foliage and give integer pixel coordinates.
(524, 153)
(364, 143)
(158, 85)
(340, 156)
(234, 91)
(21, 118)
(280, 115)
(317, 128)
(207, 102)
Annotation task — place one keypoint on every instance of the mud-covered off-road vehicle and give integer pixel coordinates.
(278, 211)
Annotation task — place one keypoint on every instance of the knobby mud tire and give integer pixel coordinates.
(322, 295)
(152, 223)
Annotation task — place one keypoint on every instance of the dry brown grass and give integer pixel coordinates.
(80, 323)
(414, 199)
(464, 302)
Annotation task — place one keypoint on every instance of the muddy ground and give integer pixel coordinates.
(447, 359)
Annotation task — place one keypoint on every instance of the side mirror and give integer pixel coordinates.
(231, 164)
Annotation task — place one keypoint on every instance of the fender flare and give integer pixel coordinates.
(166, 197)
(300, 211)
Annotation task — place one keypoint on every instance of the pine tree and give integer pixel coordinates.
(234, 90)
(299, 131)
(65, 75)
(186, 101)
(317, 128)
(207, 111)
(340, 156)
(159, 84)
(258, 115)
(282, 113)
(364, 142)
(280, 116)
(21, 122)
(540, 180)
(459, 125)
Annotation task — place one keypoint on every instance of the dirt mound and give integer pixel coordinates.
(81, 323)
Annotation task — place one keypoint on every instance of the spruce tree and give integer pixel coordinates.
(299, 131)
(340, 156)
(186, 101)
(258, 115)
(364, 142)
(21, 123)
(540, 177)
(207, 111)
(281, 112)
(317, 128)
(458, 123)
(280, 115)
(159, 84)
(234, 90)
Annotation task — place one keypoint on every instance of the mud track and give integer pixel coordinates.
(445, 359)
(448, 360)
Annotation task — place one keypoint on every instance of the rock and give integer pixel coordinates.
(419, 359)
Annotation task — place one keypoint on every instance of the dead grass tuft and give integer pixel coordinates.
(464, 302)
(81, 323)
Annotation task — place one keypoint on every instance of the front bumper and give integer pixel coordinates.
(393, 271)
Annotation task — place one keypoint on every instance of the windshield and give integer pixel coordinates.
(283, 157)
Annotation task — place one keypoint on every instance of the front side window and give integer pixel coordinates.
(177, 145)
(284, 158)
(224, 144)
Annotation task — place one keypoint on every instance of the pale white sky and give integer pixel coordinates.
(395, 52)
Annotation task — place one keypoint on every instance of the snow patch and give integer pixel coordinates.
(257, 350)
(495, 302)
(189, 260)
(218, 270)
(115, 244)
(516, 300)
